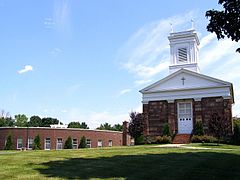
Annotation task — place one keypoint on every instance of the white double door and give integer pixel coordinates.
(185, 118)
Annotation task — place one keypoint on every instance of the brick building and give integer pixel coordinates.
(54, 138)
(185, 96)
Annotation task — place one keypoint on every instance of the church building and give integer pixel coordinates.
(185, 96)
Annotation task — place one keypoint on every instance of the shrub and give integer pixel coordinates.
(205, 139)
(36, 143)
(83, 143)
(236, 135)
(198, 129)
(139, 140)
(163, 139)
(9, 143)
(166, 130)
(68, 143)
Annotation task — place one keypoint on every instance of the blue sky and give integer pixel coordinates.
(87, 60)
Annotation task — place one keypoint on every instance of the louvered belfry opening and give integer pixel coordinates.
(182, 55)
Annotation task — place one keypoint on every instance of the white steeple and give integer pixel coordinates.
(184, 51)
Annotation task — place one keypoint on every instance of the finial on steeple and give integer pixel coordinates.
(192, 21)
(171, 25)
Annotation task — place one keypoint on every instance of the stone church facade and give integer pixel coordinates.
(185, 96)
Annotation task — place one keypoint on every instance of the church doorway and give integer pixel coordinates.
(185, 119)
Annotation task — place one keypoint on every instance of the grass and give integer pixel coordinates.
(140, 162)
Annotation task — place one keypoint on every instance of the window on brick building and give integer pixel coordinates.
(75, 143)
(110, 143)
(30, 143)
(59, 143)
(19, 143)
(47, 144)
(100, 143)
(89, 143)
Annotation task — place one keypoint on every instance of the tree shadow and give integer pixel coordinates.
(190, 165)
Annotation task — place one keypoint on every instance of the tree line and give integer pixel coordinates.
(21, 120)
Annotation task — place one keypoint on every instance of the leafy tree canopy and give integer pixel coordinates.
(46, 122)
(136, 125)
(227, 21)
(21, 120)
(107, 126)
(82, 125)
(35, 121)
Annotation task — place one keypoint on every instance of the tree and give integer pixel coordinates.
(74, 125)
(117, 127)
(226, 22)
(219, 126)
(6, 120)
(68, 143)
(35, 121)
(21, 120)
(37, 143)
(46, 122)
(83, 125)
(105, 126)
(83, 143)
(9, 143)
(136, 126)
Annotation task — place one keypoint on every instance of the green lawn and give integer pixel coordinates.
(140, 162)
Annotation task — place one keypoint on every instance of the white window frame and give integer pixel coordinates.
(59, 144)
(110, 143)
(75, 143)
(88, 143)
(184, 102)
(100, 143)
(19, 139)
(47, 142)
(30, 140)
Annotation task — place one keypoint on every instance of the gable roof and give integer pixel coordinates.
(192, 80)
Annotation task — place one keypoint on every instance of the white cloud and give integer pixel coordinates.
(125, 91)
(55, 51)
(73, 89)
(61, 14)
(26, 69)
(207, 40)
(142, 82)
(49, 23)
(146, 53)
(94, 119)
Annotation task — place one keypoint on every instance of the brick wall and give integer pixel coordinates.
(53, 134)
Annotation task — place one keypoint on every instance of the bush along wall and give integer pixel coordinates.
(236, 135)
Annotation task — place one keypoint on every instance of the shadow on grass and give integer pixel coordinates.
(197, 165)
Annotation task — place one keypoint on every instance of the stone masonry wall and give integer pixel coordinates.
(157, 113)
(223, 107)
(157, 117)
